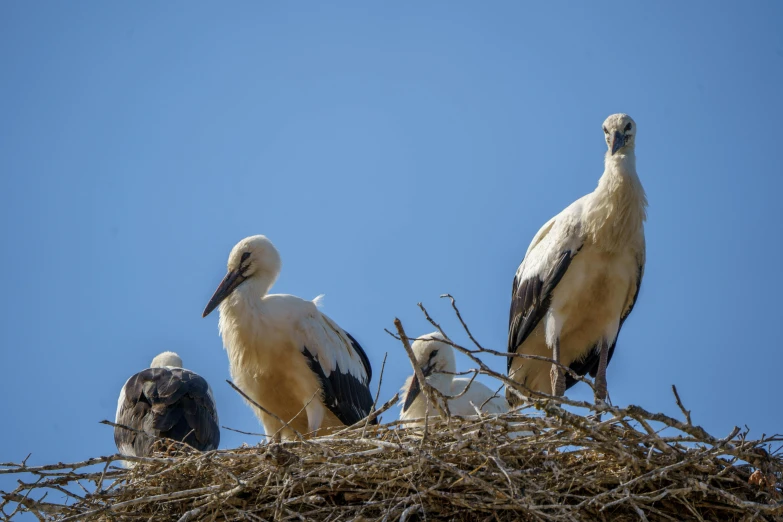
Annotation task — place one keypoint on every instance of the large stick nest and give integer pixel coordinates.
(572, 467)
(557, 459)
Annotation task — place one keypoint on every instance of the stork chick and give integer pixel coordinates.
(165, 401)
(288, 357)
(581, 275)
(435, 357)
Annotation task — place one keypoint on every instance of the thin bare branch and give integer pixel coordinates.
(685, 412)
(254, 403)
(377, 393)
(429, 392)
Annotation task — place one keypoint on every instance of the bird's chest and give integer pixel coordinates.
(275, 375)
(594, 291)
(267, 358)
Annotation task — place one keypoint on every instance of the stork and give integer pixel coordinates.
(580, 277)
(287, 356)
(165, 401)
(435, 357)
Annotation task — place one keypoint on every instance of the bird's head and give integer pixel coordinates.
(433, 356)
(619, 132)
(253, 260)
(166, 359)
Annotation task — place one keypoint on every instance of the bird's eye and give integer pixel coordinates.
(628, 127)
(245, 256)
(606, 131)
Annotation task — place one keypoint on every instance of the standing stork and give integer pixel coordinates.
(288, 357)
(435, 357)
(580, 277)
(165, 401)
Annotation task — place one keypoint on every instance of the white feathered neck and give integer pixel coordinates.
(618, 207)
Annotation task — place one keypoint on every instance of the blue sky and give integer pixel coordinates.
(392, 152)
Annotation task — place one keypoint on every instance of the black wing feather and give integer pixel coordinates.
(530, 300)
(346, 396)
(362, 356)
(167, 403)
(590, 363)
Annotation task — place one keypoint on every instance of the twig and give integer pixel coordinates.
(425, 386)
(152, 499)
(459, 316)
(685, 412)
(377, 394)
(301, 411)
(388, 404)
(254, 403)
(20, 468)
(508, 382)
(245, 432)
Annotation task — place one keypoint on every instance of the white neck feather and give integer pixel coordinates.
(441, 382)
(242, 319)
(618, 207)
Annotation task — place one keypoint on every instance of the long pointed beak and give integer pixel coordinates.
(618, 140)
(227, 285)
(413, 392)
(415, 388)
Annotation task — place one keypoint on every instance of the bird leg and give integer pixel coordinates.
(556, 374)
(600, 376)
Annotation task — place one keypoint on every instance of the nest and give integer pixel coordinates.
(566, 467)
(557, 459)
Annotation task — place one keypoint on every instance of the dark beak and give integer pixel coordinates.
(415, 388)
(618, 140)
(229, 283)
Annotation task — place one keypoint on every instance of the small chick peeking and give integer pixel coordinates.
(580, 277)
(435, 357)
(287, 356)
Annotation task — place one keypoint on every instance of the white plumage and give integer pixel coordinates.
(581, 274)
(285, 354)
(436, 360)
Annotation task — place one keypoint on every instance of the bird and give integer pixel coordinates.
(304, 371)
(580, 277)
(435, 357)
(165, 401)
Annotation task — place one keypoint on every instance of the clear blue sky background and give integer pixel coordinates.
(392, 152)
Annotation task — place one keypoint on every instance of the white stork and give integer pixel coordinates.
(580, 277)
(288, 357)
(436, 360)
(166, 401)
